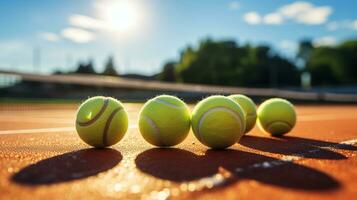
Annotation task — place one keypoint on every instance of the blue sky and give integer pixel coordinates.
(143, 34)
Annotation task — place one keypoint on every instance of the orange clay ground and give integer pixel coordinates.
(41, 157)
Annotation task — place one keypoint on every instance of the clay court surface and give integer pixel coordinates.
(41, 157)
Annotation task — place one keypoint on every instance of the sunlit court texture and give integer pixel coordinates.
(157, 100)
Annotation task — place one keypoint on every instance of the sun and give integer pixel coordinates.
(121, 15)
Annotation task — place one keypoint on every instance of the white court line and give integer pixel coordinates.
(46, 130)
(39, 130)
(53, 120)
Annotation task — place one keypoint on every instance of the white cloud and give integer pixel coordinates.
(288, 45)
(295, 9)
(273, 18)
(252, 18)
(306, 13)
(299, 12)
(77, 35)
(52, 37)
(325, 41)
(87, 22)
(234, 5)
(354, 25)
(345, 24)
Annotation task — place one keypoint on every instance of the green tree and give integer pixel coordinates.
(227, 63)
(168, 72)
(348, 58)
(109, 68)
(85, 68)
(304, 52)
(334, 65)
(321, 66)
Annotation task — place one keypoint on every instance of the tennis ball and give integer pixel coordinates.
(164, 121)
(101, 121)
(249, 109)
(276, 116)
(218, 122)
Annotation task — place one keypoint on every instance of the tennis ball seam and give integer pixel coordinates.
(156, 129)
(280, 121)
(220, 108)
(107, 125)
(284, 122)
(97, 116)
(168, 104)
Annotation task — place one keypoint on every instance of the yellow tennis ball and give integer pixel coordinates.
(276, 116)
(164, 121)
(249, 109)
(218, 122)
(101, 121)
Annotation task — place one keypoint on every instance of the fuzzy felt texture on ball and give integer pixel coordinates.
(249, 109)
(101, 121)
(218, 122)
(276, 116)
(164, 121)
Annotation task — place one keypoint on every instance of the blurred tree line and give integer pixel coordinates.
(88, 68)
(330, 65)
(227, 63)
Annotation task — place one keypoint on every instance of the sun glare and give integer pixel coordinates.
(120, 15)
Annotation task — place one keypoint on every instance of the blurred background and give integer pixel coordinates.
(134, 49)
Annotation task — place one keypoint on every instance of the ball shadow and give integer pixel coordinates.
(320, 143)
(294, 176)
(69, 166)
(288, 145)
(179, 165)
(172, 164)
